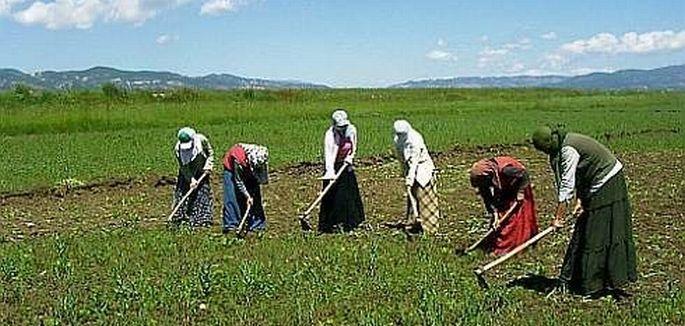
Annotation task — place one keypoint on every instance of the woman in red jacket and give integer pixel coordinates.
(502, 183)
(245, 169)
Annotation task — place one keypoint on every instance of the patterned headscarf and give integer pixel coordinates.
(258, 158)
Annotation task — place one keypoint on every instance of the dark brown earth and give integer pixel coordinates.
(655, 180)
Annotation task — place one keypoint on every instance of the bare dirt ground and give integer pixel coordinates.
(655, 179)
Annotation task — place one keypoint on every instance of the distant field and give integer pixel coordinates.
(84, 136)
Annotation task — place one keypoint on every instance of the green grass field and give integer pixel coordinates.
(82, 136)
(104, 255)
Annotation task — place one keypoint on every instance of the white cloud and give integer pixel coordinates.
(549, 36)
(217, 7)
(138, 11)
(499, 56)
(585, 71)
(555, 61)
(522, 44)
(62, 13)
(562, 58)
(489, 56)
(166, 39)
(607, 43)
(7, 5)
(84, 14)
(516, 67)
(440, 55)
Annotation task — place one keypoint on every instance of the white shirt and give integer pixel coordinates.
(331, 149)
(569, 164)
(412, 151)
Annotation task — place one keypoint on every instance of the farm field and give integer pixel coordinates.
(101, 253)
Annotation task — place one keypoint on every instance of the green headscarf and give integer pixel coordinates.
(550, 140)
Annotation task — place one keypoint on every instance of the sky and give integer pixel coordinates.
(372, 43)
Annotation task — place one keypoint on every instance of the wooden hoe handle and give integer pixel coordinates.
(325, 190)
(185, 197)
(515, 251)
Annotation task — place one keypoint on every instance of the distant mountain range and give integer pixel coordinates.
(95, 77)
(671, 77)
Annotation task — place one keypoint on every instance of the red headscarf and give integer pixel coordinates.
(484, 173)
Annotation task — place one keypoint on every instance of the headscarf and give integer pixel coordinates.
(550, 141)
(402, 129)
(258, 158)
(187, 147)
(483, 174)
(339, 118)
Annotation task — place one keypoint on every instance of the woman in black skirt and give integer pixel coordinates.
(341, 207)
(601, 254)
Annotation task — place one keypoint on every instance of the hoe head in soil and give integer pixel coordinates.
(460, 252)
(481, 279)
(304, 223)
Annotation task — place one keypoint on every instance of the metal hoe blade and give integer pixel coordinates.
(482, 282)
(304, 223)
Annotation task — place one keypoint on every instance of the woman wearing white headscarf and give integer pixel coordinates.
(341, 207)
(246, 167)
(419, 172)
(195, 158)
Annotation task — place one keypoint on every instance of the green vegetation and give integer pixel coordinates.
(48, 137)
(104, 255)
(163, 277)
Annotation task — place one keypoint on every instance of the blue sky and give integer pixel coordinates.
(343, 43)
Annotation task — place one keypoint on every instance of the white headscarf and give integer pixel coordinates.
(188, 153)
(402, 130)
(339, 118)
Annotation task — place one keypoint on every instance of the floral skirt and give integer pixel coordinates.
(198, 208)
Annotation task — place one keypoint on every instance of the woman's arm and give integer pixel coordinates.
(209, 152)
(569, 164)
(330, 151)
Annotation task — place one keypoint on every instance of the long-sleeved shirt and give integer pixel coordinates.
(202, 158)
(417, 163)
(339, 147)
(569, 165)
(236, 161)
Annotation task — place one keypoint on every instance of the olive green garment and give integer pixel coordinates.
(601, 254)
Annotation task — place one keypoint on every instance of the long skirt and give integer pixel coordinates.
(521, 225)
(427, 206)
(601, 254)
(197, 209)
(341, 207)
(235, 205)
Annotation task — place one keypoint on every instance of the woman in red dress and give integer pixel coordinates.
(502, 182)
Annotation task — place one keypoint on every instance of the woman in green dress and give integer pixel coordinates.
(601, 254)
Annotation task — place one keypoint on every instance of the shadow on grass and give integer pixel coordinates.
(546, 285)
(537, 283)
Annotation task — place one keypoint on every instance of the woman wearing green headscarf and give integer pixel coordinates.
(601, 254)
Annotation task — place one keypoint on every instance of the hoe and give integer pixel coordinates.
(185, 197)
(493, 230)
(242, 230)
(304, 217)
(480, 270)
